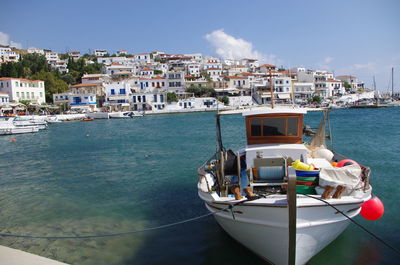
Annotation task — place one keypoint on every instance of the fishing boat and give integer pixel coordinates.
(281, 197)
(87, 119)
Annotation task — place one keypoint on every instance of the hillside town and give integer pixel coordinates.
(159, 82)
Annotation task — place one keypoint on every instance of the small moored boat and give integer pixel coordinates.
(278, 196)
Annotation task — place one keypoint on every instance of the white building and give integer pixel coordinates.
(4, 98)
(81, 101)
(51, 56)
(352, 81)
(142, 58)
(94, 78)
(7, 55)
(214, 73)
(74, 54)
(121, 52)
(99, 53)
(193, 69)
(23, 89)
(35, 50)
(60, 65)
(176, 81)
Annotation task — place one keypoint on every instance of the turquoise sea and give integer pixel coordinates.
(80, 178)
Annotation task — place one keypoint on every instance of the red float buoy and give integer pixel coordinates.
(346, 162)
(13, 140)
(372, 209)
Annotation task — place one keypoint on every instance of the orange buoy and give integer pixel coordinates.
(13, 140)
(334, 164)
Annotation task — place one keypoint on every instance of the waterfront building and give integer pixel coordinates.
(353, 81)
(88, 89)
(76, 101)
(4, 98)
(23, 89)
(303, 90)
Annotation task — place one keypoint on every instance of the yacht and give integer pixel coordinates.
(7, 127)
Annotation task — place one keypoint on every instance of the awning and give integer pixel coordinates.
(283, 96)
(80, 107)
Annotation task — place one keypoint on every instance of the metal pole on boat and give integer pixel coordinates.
(292, 208)
(239, 169)
(272, 89)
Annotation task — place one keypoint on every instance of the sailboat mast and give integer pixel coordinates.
(392, 84)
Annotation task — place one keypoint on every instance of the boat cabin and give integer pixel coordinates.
(274, 141)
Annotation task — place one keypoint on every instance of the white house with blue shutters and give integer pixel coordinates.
(81, 101)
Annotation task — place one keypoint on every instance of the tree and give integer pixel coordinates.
(224, 100)
(316, 99)
(171, 97)
(158, 72)
(201, 91)
(347, 86)
(52, 84)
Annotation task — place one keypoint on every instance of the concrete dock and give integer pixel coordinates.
(12, 256)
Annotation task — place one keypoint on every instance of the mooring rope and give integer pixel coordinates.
(358, 224)
(117, 233)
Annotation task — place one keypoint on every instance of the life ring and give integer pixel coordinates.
(346, 162)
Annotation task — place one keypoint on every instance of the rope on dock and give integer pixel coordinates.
(358, 224)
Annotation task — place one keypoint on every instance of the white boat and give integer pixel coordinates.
(20, 121)
(7, 127)
(124, 115)
(272, 220)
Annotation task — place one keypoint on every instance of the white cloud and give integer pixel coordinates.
(5, 40)
(229, 47)
(325, 63)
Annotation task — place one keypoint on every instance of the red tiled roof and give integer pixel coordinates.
(21, 79)
(84, 85)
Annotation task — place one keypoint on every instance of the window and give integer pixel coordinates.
(273, 127)
(161, 98)
(134, 99)
(122, 91)
(17, 94)
(155, 98)
(41, 94)
(144, 98)
(16, 83)
(32, 95)
(112, 92)
(22, 95)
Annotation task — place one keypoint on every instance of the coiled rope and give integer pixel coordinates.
(358, 224)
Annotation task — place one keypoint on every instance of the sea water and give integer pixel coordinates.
(106, 176)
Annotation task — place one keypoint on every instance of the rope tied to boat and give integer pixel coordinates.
(357, 223)
(122, 233)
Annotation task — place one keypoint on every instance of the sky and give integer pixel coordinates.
(360, 38)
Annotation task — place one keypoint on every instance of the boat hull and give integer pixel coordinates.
(264, 229)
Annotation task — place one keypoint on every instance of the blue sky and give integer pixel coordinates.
(360, 38)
